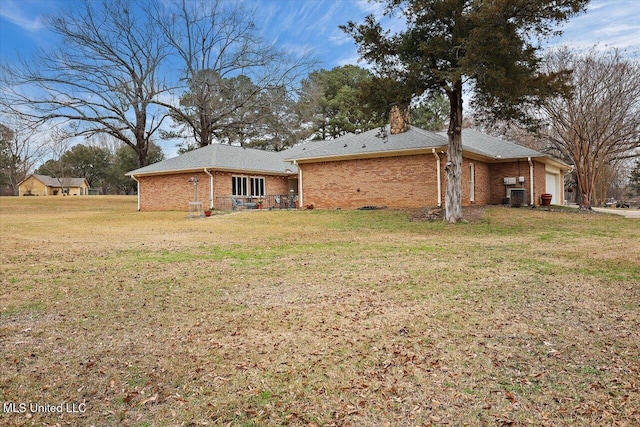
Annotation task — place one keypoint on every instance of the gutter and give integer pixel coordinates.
(138, 189)
(300, 198)
(210, 188)
(531, 180)
(198, 169)
(365, 155)
(433, 150)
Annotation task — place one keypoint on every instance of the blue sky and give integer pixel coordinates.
(297, 25)
(302, 25)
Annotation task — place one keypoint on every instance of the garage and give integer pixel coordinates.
(552, 187)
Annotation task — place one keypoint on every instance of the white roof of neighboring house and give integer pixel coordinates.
(222, 157)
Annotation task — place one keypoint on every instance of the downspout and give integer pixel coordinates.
(531, 180)
(138, 190)
(210, 188)
(433, 150)
(300, 203)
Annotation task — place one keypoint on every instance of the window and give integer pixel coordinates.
(257, 187)
(247, 186)
(239, 185)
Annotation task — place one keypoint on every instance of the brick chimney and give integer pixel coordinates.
(399, 119)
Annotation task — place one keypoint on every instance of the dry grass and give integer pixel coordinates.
(521, 317)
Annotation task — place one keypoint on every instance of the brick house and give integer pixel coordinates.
(396, 169)
(406, 170)
(222, 171)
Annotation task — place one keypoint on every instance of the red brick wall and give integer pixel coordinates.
(174, 192)
(396, 182)
(171, 192)
(482, 189)
(409, 182)
(498, 171)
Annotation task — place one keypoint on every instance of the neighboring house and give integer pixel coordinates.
(222, 171)
(407, 170)
(403, 169)
(42, 185)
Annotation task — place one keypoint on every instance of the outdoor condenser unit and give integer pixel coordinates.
(517, 197)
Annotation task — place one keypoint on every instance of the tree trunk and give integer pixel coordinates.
(453, 169)
(585, 184)
(142, 151)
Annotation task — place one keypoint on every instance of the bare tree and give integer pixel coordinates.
(598, 123)
(20, 149)
(103, 76)
(279, 124)
(59, 141)
(225, 67)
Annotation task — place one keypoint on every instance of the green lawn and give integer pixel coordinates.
(362, 318)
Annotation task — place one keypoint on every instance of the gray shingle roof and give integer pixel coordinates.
(222, 157)
(489, 146)
(370, 142)
(307, 146)
(55, 182)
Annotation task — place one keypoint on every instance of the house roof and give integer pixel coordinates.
(367, 143)
(58, 182)
(374, 143)
(222, 157)
(307, 146)
(496, 148)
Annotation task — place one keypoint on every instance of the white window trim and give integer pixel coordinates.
(246, 186)
(264, 186)
(247, 179)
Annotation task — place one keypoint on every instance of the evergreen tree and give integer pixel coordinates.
(334, 102)
(490, 45)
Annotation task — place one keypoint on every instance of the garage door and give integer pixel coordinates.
(552, 188)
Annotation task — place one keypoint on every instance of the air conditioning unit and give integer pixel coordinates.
(517, 197)
(509, 180)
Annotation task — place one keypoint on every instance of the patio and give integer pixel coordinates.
(276, 201)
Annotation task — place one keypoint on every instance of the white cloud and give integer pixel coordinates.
(339, 37)
(333, 16)
(372, 8)
(606, 24)
(353, 59)
(15, 13)
(616, 29)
